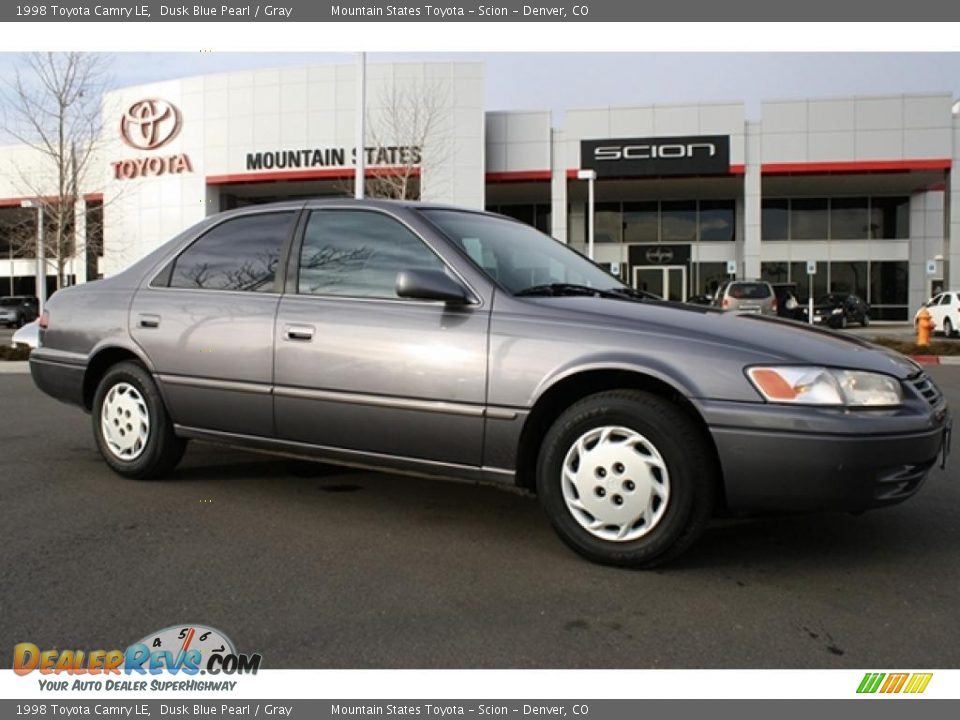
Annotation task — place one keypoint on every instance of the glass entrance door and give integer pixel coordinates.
(667, 281)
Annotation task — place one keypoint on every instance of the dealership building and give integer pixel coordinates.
(857, 189)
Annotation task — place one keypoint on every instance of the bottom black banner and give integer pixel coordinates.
(874, 709)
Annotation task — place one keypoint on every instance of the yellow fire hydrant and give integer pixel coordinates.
(925, 326)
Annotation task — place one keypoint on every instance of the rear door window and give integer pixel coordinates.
(239, 255)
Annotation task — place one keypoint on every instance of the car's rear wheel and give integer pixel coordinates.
(627, 478)
(130, 424)
(947, 328)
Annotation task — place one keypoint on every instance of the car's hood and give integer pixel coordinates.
(771, 338)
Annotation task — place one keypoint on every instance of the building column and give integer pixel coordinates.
(749, 255)
(558, 186)
(952, 213)
(78, 263)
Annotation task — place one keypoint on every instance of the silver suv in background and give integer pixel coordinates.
(747, 296)
(18, 310)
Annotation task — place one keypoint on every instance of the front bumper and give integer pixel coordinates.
(788, 459)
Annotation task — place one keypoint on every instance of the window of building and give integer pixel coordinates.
(809, 219)
(849, 278)
(641, 222)
(775, 219)
(717, 220)
(890, 218)
(356, 253)
(840, 218)
(542, 220)
(607, 222)
(889, 286)
(678, 221)
(707, 277)
(849, 218)
(775, 272)
(240, 254)
(884, 285)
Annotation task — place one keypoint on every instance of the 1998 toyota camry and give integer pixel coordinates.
(440, 341)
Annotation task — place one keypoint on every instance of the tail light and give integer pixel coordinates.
(776, 305)
(725, 303)
(45, 320)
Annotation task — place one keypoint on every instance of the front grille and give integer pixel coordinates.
(926, 387)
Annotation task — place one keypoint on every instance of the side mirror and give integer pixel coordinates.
(431, 285)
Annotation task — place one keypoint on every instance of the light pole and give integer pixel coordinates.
(41, 260)
(590, 176)
(358, 178)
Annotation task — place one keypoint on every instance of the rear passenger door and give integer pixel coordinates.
(359, 368)
(207, 321)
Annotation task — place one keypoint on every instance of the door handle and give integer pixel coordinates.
(148, 321)
(299, 332)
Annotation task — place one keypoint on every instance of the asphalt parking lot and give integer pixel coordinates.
(318, 567)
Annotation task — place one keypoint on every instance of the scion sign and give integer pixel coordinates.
(635, 157)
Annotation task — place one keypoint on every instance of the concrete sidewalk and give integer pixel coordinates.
(14, 367)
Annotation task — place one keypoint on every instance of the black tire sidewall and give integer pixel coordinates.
(686, 483)
(947, 328)
(153, 455)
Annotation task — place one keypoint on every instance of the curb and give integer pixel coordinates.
(936, 359)
(14, 367)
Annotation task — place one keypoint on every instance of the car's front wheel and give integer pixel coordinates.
(947, 328)
(130, 424)
(627, 478)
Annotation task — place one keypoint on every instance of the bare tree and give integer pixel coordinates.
(52, 106)
(408, 131)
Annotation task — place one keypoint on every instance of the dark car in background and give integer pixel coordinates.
(838, 310)
(432, 340)
(788, 302)
(18, 310)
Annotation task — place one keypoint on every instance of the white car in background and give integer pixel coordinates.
(28, 335)
(944, 309)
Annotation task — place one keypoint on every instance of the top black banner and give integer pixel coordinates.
(500, 11)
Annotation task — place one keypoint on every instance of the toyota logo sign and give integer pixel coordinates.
(150, 123)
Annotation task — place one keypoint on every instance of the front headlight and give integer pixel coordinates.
(804, 385)
(836, 311)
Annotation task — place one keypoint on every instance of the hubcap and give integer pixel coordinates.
(125, 422)
(615, 483)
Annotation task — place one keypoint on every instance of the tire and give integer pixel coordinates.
(679, 481)
(865, 320)
(20, 321)
(947, 328)
(843, 321)
(142, 451)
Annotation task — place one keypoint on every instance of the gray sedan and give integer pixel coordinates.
(438, 341)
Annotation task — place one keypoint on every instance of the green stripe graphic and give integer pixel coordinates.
(871, 682)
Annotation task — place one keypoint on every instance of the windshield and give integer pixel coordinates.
(516, 255)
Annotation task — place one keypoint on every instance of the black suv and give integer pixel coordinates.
(18, 310)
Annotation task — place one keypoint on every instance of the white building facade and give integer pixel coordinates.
(860, 187)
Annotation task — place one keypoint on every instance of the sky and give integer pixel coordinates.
(555, 81)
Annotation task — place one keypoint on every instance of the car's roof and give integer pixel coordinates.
(318, 202)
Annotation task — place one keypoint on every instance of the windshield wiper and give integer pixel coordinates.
(556, 289)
